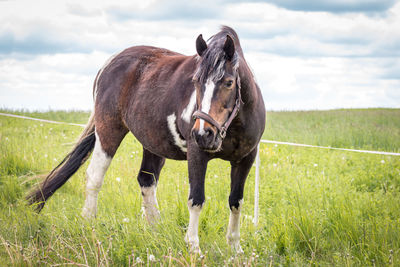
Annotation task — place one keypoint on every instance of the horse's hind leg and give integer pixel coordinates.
(107, 141)
(148, 179)
(239, 172)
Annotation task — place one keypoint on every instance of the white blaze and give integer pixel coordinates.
(206, 103)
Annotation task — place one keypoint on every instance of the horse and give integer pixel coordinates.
(193, 108)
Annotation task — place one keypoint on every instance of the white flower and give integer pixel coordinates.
(152, 258)
(274, 164)
(41, 124)
(275, 145)
(382, 161)
(118, 179)
(315, 164)
(139, 260)
(45, 155)
(125, 220)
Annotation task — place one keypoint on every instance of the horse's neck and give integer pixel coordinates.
(249, 90)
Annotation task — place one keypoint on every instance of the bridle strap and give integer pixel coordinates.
(198, 114)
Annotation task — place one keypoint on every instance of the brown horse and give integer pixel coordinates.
(192, 108)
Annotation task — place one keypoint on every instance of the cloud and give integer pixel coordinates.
(296, 33)
(37, 43)
(61, 81)
(80, 10)
(166, 10)
(336, 6)
(339, 55)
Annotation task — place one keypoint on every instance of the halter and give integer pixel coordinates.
(198, 114)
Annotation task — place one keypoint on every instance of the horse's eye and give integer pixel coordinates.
(229, 83)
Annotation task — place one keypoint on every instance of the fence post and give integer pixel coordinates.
(256, 185)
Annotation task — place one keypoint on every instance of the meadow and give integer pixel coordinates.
(317, 207)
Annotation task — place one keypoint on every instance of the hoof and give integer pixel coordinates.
(88, 215)
(237, 249)
(235, 244)
(193, 245)
(152, 215)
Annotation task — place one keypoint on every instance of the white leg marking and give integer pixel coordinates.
(173, 129)
(101, 71)
(150, 204)
(233, 234)
(192, 236)
(206, 102)
(95, 176)
(188, 111)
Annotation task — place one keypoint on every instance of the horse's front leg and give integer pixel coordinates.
(197, 164)
(148, 179)
(239, 174)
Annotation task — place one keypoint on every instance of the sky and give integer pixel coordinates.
(305, 54)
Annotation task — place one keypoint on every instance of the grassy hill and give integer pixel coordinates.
(316, 206)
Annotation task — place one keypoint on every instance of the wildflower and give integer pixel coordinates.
(152, 258)
(45, 155)
(7, 139)
(139, 260)
(41, 125)
(315, 164)
(45, 137)
(382, 161)
(275, 145)
(275, 165)
(125, 220)
(118, 179)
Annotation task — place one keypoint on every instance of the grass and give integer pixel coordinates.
(317, 207)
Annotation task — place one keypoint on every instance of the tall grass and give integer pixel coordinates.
(375, 129)
(317, 207)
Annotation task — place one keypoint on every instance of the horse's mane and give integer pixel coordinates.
(212, 62)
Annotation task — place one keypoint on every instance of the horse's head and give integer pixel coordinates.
(217, 90)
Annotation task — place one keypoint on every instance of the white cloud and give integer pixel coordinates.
(50, 51)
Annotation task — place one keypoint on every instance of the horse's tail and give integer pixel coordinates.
(68, 166)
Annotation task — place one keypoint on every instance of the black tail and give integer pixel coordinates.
(68, 166)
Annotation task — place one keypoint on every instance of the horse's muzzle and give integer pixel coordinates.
(207, 139)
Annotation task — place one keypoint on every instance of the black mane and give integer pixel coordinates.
(212, 62)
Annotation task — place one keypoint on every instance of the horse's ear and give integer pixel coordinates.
(201, 45)
(229, 47)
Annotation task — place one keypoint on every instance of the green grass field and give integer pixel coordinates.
(317, 207)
